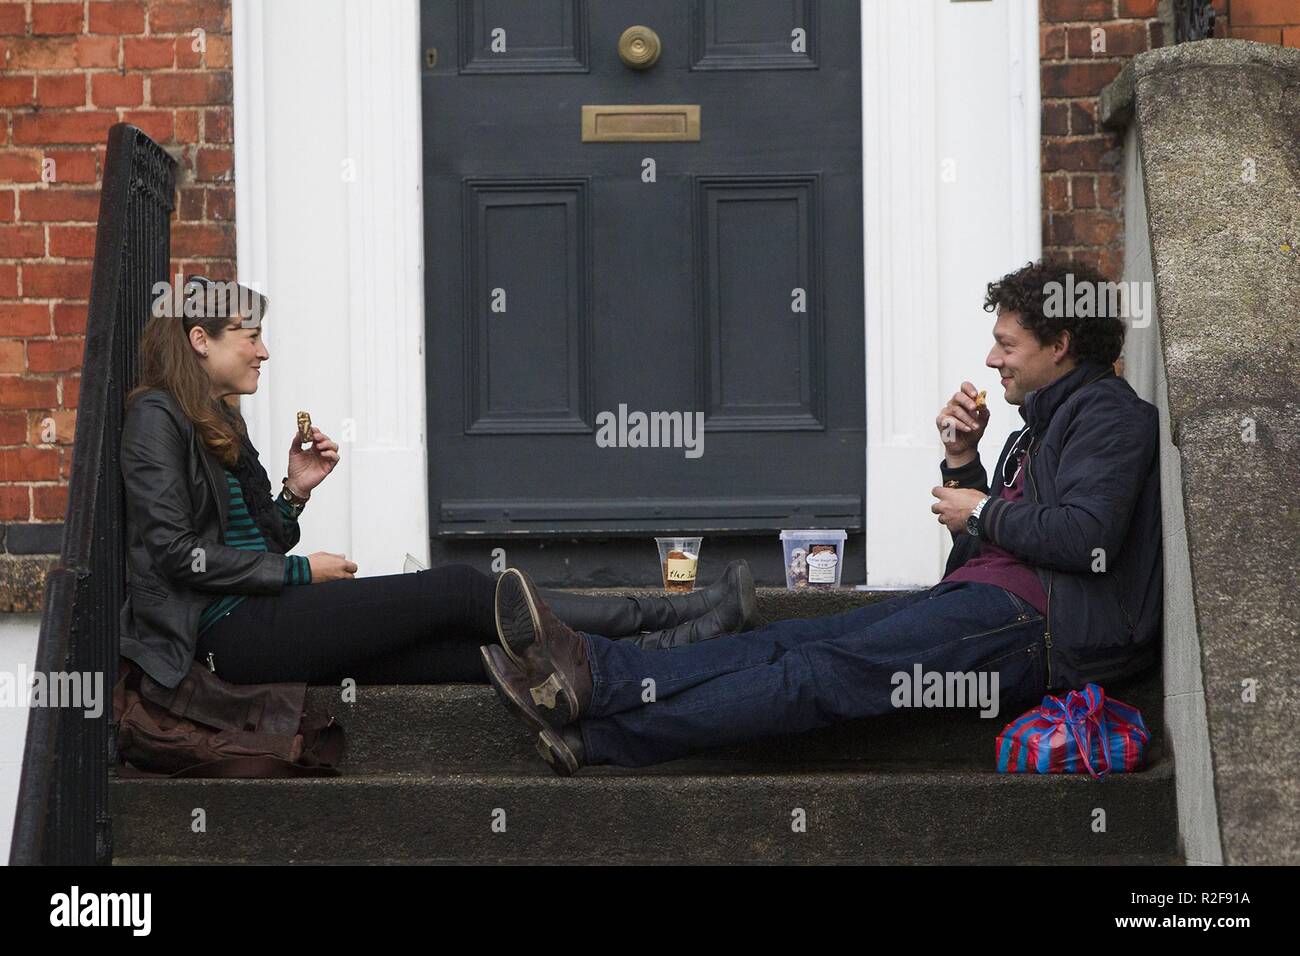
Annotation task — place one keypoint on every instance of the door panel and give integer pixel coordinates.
(531, 374)
(752, 34)
(542, 36)
(756, 244)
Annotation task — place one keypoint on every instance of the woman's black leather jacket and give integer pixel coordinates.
(176, 505)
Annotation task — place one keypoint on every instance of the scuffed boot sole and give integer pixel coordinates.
(552, 748)
(748, 599)
(520, 624)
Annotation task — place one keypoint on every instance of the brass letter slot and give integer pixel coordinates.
(641, 124)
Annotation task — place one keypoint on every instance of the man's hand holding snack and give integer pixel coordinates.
(961, 424)
(955, 506)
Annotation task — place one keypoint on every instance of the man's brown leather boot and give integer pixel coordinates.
(561, 747)
(512, 686)
(550, 653)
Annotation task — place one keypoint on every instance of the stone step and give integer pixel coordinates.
(466, 725)
(685, 812)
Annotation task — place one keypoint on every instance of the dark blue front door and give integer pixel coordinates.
(591, 295)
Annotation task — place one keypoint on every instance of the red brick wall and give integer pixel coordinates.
(70, 71)
(1266, 21)
(1083, 196)
(1082, 192)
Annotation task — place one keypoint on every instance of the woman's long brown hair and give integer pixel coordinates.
(168, 361)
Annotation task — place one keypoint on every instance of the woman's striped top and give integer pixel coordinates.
(243, 533)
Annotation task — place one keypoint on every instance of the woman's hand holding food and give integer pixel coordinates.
(327, 566)
(309, 466)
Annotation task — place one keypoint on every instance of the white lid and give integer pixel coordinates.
(823, 533)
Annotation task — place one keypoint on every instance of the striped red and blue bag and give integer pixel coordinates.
(1085, 733)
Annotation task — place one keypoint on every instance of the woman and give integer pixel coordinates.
(209, 574)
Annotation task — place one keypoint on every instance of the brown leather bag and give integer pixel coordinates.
(207, 727)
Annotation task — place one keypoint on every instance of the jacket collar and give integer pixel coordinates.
(1041, 404)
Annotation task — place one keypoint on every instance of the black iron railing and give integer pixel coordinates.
(63, 812)
(1193, 20)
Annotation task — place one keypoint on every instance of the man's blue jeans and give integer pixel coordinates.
(792, 676)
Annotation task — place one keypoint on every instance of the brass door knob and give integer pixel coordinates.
(639, 47)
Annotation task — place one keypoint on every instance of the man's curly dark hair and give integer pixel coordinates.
(1096, 338)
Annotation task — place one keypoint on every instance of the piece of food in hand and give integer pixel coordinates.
(980, 399)
(304, 427)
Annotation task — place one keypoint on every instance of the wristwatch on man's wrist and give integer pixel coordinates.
(973, 522)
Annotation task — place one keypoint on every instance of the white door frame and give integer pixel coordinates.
(329, 197)
(328, 187)
(950, 162)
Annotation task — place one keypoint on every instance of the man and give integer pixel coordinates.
(1054, 580)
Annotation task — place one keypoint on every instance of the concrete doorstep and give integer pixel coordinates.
(691, 814)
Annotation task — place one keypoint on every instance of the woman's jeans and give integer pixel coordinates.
(648, 707)
(422, 628)
(416, 628)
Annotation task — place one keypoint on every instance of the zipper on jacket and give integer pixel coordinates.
(1029, 480)
(1047, 631)
(1047, 611)
(212, 665)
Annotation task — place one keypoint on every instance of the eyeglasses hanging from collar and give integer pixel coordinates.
(1016, 457)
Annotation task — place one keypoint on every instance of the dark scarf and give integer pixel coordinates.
(256, 488)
